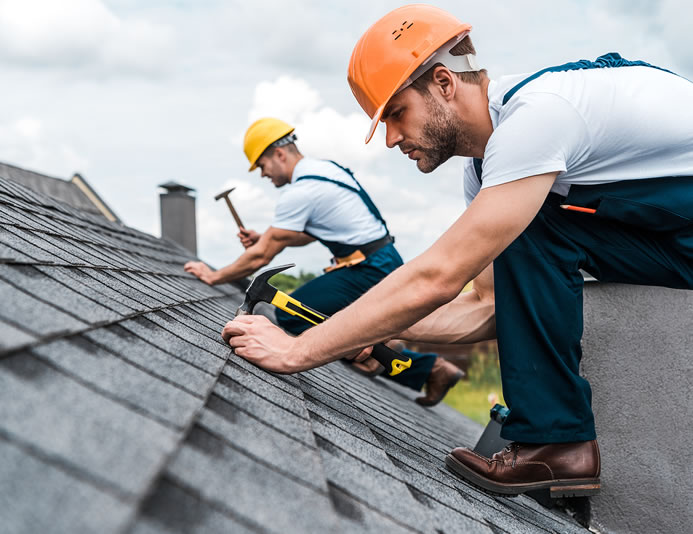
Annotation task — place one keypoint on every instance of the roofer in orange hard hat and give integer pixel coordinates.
(586, 165)
(321, 200)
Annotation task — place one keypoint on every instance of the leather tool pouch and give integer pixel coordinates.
(347, 261)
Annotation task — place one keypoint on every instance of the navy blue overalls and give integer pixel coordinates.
(641, 233)
(336, 289)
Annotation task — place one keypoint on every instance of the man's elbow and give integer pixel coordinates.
(263, 257)
(261, 261)
(439, 284)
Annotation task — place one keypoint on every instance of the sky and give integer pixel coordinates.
(135, 93)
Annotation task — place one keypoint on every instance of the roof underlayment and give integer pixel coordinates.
(121, 410)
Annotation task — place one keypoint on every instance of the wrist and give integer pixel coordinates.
(214, 278)
(297, 358)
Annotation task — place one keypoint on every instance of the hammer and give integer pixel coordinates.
(260, 290)
(226, 194)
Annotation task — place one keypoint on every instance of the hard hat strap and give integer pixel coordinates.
(286, 140)
(464, 63)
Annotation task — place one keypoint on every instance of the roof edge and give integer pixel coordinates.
(94, 197)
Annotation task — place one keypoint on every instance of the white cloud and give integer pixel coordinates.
(80, 33)
(286, 98)
(27, 143)
(28, 127)
(322, 131)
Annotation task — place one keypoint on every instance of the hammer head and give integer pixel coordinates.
(260, 290)
(224, 194)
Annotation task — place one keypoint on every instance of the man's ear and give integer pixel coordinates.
(444, 82)
(280, 154)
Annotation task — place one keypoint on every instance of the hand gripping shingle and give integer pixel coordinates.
(260, 290)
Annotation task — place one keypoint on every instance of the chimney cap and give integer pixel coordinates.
(173, 187)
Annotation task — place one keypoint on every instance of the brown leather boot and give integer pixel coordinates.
(565, 469)
(443, 376)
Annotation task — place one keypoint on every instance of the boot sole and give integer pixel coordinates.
(574, 487)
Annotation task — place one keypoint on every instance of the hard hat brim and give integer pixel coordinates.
(375, 120)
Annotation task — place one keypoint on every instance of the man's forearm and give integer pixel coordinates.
(249, 262)
(467, 319)
(401, 299)
(429, 281)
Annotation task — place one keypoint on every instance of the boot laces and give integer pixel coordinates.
(514, 448)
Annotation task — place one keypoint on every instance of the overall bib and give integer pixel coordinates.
(641, 233)
(335, 290)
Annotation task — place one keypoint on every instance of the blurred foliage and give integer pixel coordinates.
(288, 283)
(476, 396)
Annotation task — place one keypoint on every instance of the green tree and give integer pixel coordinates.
(288, 283)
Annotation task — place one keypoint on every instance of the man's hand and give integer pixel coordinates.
(202, 271)
(256, 339)
(362, 356)
(248, 237)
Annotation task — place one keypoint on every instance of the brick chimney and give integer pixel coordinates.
(178, 215)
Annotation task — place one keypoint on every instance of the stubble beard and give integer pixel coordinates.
(441, 136)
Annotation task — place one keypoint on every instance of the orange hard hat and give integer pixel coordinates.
(393, 48)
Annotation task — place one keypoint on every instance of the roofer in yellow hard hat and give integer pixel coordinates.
(322, 201)
(586, 165)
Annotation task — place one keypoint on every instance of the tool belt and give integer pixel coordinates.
(359, 254)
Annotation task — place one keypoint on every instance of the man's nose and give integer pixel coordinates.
(392, 136)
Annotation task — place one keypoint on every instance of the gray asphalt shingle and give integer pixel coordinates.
(79, 507)
(121, 380)
(43, 408)
(36, 316)
(121, 409)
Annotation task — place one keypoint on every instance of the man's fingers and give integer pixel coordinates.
(192, 266)
(241, 325)
(364, 354)
(232, 328)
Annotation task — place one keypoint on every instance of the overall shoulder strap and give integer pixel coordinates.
(478, 162)
(360, 191)
(609, 60)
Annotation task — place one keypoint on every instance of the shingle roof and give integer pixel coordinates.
(121, 410)
(75, 192)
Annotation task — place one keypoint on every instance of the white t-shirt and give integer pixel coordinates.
(594, 126)
(325, 210)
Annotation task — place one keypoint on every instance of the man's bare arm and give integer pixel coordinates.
(493, 220)
(469, 318)
(256, 256)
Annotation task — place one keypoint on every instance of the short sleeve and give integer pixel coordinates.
(293, 210)
(537, 133)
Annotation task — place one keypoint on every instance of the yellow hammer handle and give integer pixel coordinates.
(393, 361)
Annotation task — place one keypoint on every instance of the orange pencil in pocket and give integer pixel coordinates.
(578, 208)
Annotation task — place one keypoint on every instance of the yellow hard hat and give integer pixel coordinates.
(260, 135)
(392, 49)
